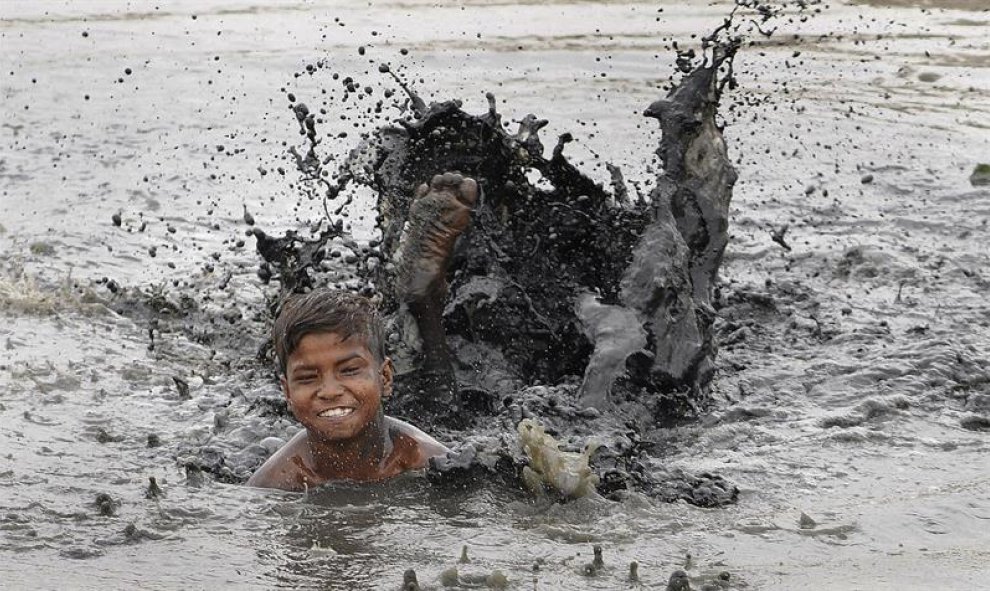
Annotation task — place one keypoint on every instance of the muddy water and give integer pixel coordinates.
(853, 380)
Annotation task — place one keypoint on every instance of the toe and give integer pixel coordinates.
(421, 190)
(467, 191)
(437, 181)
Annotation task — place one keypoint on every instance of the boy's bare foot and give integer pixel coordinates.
(439, 213)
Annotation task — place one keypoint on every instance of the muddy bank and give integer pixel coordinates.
(970, 5)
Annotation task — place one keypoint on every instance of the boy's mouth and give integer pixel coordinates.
(333, 413)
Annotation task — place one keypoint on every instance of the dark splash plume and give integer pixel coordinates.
(667, 289)
(557, 278)
(529, 249)
(528, 252)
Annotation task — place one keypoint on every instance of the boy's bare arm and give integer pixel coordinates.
(284, 469)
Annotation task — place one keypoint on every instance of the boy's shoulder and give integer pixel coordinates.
(413, 445)
(287, 468)
(290, 468)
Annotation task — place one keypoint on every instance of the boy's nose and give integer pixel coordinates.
(330, 388)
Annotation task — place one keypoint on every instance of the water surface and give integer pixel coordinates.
(859, 397)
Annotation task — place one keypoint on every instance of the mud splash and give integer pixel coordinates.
(606, 298)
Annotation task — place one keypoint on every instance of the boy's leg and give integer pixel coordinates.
(438, 215)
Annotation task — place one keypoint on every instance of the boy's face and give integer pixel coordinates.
(334, 386)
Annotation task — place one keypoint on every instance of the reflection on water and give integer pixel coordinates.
(853, 378)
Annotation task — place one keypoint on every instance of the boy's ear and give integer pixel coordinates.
(388, 375)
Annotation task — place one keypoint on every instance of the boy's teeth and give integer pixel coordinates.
(336, 412)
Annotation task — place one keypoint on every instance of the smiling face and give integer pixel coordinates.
(335, 386)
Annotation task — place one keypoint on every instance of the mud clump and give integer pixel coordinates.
(980, 176)
(975, 423)
(106, 505)
(679, 581)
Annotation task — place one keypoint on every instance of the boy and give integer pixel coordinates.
(331, 352)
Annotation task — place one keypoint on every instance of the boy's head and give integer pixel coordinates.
(334, 370)
(325, 311)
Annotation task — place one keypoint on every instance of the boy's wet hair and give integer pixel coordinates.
(323, 310)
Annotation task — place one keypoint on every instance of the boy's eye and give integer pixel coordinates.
(351, 370)
(305, 378)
